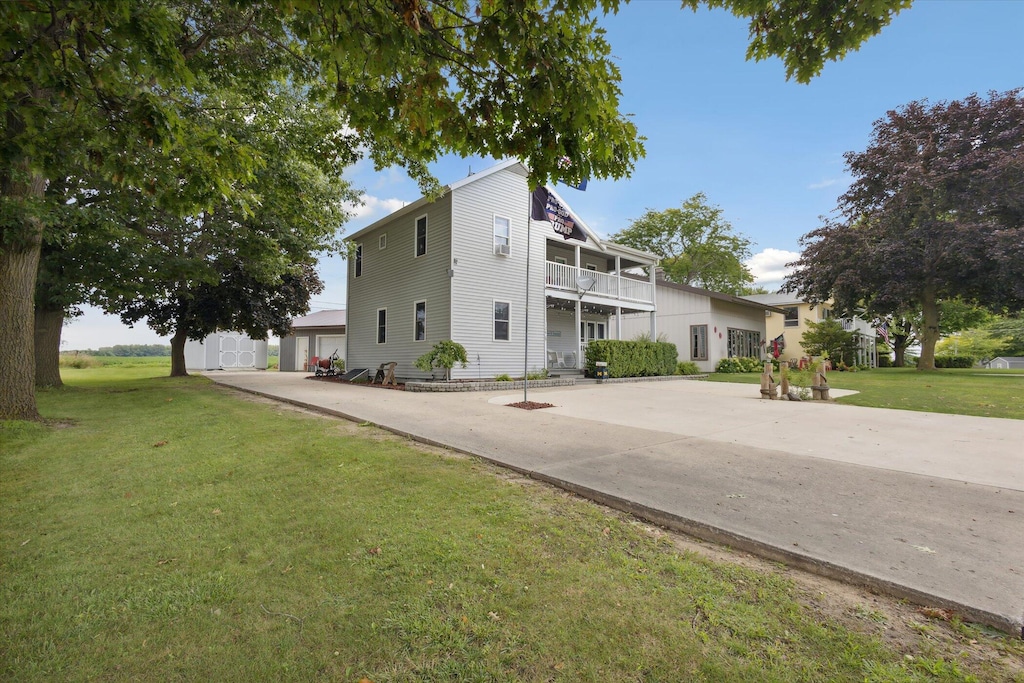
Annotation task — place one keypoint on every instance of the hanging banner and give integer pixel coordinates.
(546, 207)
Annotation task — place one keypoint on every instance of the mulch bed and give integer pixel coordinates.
(530, 405)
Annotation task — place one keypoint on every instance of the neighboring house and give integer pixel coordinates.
(225, 351)
(705, 326)
(318, 334)
(456, 268)
(792, 324)
(1006, 363)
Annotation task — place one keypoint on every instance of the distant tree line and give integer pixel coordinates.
(129, 350)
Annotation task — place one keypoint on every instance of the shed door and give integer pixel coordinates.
(237, 351)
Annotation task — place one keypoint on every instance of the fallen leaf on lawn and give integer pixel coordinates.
(493, 616)
(465, 619)
(936, 613)
(606, 531)
(217, 511)
(158, 444)
(286, 569)
(170, 559)
(25, 541)
(374, 551)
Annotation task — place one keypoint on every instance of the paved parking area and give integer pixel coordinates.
(920, 505)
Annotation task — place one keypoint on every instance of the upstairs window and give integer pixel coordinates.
(358, 267)
(792, 317)
(421, 236)
(502, 235)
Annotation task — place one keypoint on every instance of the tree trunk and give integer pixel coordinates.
(47, 346)
(929, 328)
(178, 354)
(898, 355)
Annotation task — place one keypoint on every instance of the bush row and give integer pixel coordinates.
(748, 364)
(632, 358)
(954, 362)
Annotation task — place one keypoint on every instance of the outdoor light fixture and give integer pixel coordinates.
(584, 283)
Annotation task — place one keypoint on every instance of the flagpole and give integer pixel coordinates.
(526, 330)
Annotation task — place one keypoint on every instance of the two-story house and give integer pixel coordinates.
(792, 324)
(474, 267)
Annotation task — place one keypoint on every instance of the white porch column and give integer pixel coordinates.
(618, 277)
(578, 264)
(654, 299)
(618, 322)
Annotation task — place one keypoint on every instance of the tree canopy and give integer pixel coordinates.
(91, 87)
(935, 213)
(696, 245)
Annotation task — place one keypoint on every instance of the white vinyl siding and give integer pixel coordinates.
(395, 279)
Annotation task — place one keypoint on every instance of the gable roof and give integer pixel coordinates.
(320, 319)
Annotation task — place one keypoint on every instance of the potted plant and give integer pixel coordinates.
(443, 355)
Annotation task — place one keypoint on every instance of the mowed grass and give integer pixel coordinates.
(165, 529)
(972, 391)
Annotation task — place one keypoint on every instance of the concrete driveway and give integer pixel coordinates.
(924, 506)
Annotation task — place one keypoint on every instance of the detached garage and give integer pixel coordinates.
(318, 334)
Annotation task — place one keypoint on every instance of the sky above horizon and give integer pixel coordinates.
(768, 151)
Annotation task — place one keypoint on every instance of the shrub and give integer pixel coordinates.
(503, 378)
(954, 361)
(78, 360)
(444, 354)
(737, 365)
(537, 374)
(637, 358)
(884, 361)
(687, 367)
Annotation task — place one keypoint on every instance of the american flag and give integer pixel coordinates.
(883, 332)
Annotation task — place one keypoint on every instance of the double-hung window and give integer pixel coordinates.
(502, 235)
(382, 326)
(420, 322)
(421, 236)
(502, 318)
(792, 316)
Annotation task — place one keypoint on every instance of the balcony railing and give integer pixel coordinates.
(563, 277)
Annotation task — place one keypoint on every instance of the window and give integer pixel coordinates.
(382, 326)
(502, 235)
(744, 343)
(562, 260)
(501, 320)
(824, 313)
(591, 267)
(382, 242)
(359, 260)
(420, 322)
(421, 235)
(698, 342)
(792, 317)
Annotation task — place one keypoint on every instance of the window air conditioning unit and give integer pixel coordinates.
(501, 249)
(767, 314)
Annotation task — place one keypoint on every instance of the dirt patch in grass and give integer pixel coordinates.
(530, 405)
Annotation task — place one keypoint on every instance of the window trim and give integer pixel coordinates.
(495, 320)
(592, 267)
(416, 236)
(416, 322)
(701, 341)
(382, 242)
(357, 270)
(383, 327)
(494, 231)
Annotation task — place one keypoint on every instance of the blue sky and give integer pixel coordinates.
(767, 151)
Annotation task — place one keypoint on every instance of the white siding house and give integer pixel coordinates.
(705, 326)
(456, 268)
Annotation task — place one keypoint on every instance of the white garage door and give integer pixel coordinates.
(237, 351)
(328, 344)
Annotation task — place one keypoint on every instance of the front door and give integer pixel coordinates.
(590, 330)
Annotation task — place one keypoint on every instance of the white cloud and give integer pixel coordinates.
(372, 207)
(769, 266)
(823, 184)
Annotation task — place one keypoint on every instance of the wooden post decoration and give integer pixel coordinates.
(785, 379)
(823, 384)
(764, 383)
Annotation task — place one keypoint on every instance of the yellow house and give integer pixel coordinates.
(792, 324)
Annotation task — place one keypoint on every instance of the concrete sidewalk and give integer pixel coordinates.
(919, 505)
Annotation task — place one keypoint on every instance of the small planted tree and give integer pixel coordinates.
(444, 354)
(828, 338)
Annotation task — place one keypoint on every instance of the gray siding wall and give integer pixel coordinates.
(393, 278)
(482, 277)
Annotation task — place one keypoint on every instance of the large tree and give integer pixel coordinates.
(88, 83)
(935, 212)
(696, 245)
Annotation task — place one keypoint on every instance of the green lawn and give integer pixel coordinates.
(165, 529)
(987, 393)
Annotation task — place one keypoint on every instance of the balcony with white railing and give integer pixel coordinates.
(564, 278)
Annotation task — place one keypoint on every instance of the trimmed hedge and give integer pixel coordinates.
(748, 364)
(687, 367)
(632, 358)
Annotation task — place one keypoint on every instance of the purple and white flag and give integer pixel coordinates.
(546, 207)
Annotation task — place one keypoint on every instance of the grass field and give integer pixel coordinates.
(986, 393)
(165, 529)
